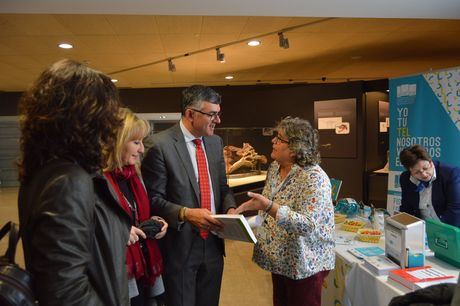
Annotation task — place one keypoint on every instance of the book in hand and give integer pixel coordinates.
(364, 252)
(420, 277)
(380, 265)
(236, 227)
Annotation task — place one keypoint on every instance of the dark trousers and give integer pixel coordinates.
(198, 282)
(302, 292)
(144, 298)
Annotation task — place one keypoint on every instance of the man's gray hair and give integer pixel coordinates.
(195, 95)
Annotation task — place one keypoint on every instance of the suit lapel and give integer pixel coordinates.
(184, 156)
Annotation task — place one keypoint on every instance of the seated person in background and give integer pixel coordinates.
(430, 189)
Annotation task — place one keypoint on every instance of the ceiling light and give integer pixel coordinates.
(229, 77)
(114, 80)
(171, 66)
(65, 46)
(220, 56)
(254, 43)
(283, 41)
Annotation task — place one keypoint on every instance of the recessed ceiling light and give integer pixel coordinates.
(254, 43)
(114, 80)
(65, 46)
(229, 77)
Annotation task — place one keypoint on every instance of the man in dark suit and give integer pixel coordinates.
(430, 189)
(184, 173)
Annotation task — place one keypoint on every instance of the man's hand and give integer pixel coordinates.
(201, 218)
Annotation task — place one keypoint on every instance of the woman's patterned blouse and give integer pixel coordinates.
(300, 241)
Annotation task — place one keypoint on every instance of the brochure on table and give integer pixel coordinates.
(380, 265)
(420, 277)
(363, 252)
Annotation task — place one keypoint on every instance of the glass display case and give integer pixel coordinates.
(247, 152)
(158, 122)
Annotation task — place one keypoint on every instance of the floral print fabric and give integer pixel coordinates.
(300, 241)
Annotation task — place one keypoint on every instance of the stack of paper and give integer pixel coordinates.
(420, 277)
(380, 265)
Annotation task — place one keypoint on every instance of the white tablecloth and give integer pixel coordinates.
(351, 284)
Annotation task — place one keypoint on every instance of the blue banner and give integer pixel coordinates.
(425, 110)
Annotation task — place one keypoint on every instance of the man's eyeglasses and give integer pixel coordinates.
(211, 115)
(279, 139)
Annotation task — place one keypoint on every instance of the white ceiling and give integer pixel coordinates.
(433, 9)
(121, 35)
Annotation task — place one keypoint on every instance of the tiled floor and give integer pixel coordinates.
(244, 283)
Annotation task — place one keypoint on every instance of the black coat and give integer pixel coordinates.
(436, 295)
(74, 237)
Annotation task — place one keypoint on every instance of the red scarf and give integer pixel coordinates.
(139, 266)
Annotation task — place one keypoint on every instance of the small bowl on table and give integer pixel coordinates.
(352, 225)
(369, 235)
(339, 218)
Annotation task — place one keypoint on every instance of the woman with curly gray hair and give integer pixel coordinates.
(295, 241)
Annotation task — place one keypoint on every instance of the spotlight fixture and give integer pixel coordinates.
(171, 66)
(251, 41)
(220, 56)
(283, 41)
(114, 80)
(229, 77)
(254, 43)
(65, 46)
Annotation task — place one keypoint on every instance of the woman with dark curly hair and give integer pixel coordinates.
(74, 231)
(295, 242)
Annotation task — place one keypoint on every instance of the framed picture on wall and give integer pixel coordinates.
(336, 123)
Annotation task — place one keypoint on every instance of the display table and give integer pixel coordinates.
(236, 182)
(352, 284)
(241, 186)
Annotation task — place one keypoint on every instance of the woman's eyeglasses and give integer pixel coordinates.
(279, 139)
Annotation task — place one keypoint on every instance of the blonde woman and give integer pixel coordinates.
(143, 259)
